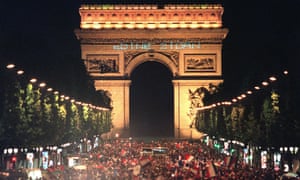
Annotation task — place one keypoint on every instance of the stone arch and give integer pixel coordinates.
(162, 58)
(157, 41)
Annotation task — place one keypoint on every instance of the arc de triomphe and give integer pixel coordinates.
(187, 39)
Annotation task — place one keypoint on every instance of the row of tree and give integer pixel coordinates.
(30, 115)
(264, 119)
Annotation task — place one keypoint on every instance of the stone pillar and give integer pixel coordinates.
(182, 105)
(119, 90)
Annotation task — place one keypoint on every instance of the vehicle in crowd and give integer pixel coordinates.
(155, 151)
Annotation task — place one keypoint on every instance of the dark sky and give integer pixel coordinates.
(263, 39)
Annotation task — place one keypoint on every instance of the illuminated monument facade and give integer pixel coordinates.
(187, 39)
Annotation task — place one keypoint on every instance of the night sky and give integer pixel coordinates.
(263, 40)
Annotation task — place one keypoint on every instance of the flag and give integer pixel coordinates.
(188, 157)
(210, 169)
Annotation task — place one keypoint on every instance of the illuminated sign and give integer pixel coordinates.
(162, 46)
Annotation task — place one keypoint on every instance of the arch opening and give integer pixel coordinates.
(152, 56)
(151, 101)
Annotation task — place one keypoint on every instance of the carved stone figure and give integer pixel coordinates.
(196, 99)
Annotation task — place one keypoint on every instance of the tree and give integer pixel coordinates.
(62, 118)
(46, 110)
(33, 110)
(251, 131)
(75, 122)
(12, 112)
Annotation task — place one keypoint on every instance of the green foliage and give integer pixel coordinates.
(31, 116)
(258, 121)
(13, 112)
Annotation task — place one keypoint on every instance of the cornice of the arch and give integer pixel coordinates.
(91, 36)
(134, 58)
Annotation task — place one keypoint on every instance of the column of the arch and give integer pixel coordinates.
(119, 90)
(126, 106)
(181, 105)
(176, 109)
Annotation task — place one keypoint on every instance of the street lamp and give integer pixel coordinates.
(33, 80)
(20, 72)
(10, 66)
(42, 84)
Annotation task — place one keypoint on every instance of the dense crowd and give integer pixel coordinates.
(126, 159)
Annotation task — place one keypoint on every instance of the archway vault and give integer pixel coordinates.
(166, 58)
(151, 100)
(190, 47)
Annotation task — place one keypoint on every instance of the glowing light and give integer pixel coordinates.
(257, 87)
(249, 92)
(152, 18)
(107, 25)
(193, 25)
(151, 26)
(20, 72)
(49, 89)
(285, 72)
(10, 66)
(272, 78)
(129, 26)
(183, 25)
(119, 25)
(96, 26)
(264, 83)
(33, 80)
(56, 92)
(228, 103)
(42, 84)
(243, 95)
(78, 102)
(234, 100)
(162, 25)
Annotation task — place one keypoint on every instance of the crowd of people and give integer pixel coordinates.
(178, 159)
